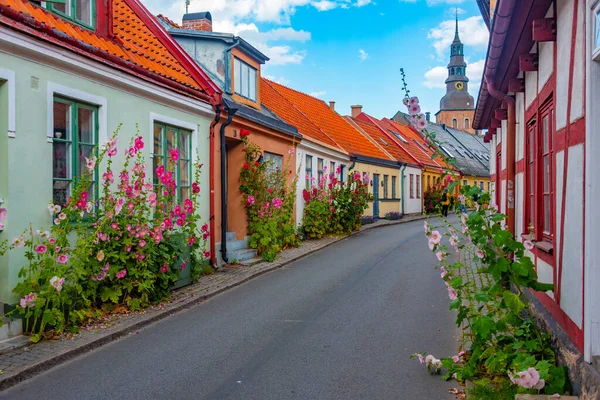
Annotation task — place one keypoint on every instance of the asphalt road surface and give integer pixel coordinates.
(339, 324)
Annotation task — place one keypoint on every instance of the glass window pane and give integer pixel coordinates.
(252, 83)
(184, 145)
(597, 41)
(546, 135)
(171, 138)
(83, 11)
(531, 211)
(546, 174)
(245, 79)
(60, 192)
(158, 143)
(237, 76)
(63, 8)
(62, 121)
(61, 158)
(546, 213)
(85, 128)
(531, 179)
(185, 193)
(84, 151)
(184, 173)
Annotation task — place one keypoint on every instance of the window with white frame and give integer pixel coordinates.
(75, 135)
(168, 138)
(82, 12)
(245, 80)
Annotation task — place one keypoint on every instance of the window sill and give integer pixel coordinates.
(544, 245)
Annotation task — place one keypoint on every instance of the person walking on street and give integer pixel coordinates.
(463, 203)
(445, 202)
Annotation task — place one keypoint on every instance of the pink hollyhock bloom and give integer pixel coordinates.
(174, 154)
(443, 274)
(413, 100)
(406, 101)
(52, 241)
(90, 163)
(41, 249)
(204, 228)
(356, 176)
(131, 152)
(429, 359)
(414, 109)
(138, 143)
(121, 274)
(2, 217)
(62, 216)
(160, 171)
(57, 283)
(435, 237)
(195, 188)
(421, 124)
(152, 199)
(100, 256)
(421, 359)
(480, 253)
(18, 242)
(453, 241)
(63, 258)
(164, 268)
(57, 221)
(431, 244)
(452, 293)
(528, 245)
(426, 226)
(180, 221)
(207, 254)
(440, 255)
(28, 300)
(456, 359)
(142, 243)
(277, 202)
(108, 177)
(250, 201)
(192, 241)
(291, 151)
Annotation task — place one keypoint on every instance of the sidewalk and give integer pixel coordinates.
(26, 360)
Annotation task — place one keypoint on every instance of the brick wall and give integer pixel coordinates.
(198, 25)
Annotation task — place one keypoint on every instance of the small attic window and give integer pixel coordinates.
(420, 146)
(447, 152)
(383, 141)
(81, 12)
(399, 137)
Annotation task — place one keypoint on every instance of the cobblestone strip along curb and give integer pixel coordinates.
(25, 362)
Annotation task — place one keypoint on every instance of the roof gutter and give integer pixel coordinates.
(230, 113)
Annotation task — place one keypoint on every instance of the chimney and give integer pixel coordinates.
(356, 110)
(201, 21)
(332, 105)
(428, 116)
(444, 126)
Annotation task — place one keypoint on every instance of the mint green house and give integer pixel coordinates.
(69, 76)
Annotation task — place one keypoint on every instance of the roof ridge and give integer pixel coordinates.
(368, 137)
(270, 83)
(170, 21)
(397, 126)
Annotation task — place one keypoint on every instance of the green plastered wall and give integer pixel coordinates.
(26, 160)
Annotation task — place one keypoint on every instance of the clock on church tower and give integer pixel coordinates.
(457, 107)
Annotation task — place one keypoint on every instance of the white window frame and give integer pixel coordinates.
(176, 123)
(595, 16)
(9, 77)
(238, 90)
(54, 89)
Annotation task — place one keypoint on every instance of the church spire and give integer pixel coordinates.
(456, 37)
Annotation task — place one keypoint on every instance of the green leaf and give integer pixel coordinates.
(542, 287)
(110, 293)
(454, 305)
(484, 326)
(513, 301)
(482, 297)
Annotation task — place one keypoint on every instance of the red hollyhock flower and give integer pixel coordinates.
(270, 190)
(244, 133)
(256, 163)
(246, 167)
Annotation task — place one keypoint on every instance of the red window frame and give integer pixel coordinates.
(540, 174)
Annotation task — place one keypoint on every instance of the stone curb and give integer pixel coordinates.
(44, 364)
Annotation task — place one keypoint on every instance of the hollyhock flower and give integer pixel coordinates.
(435, 237)
(100, 256)
(277, 202)
(291, 151)
(529, 379)
(56, 221)
(180, 221)
(426, 226)
(52, 241)
(414, 109)
(270, 190)
(413, 100)
(421, 124)
(108, 177)
(250, 201)
(121, 274)
(452, 293)
(454, 241)
(41, 249)
(195, 188)
(160, 171)
(246, 167)
(356, 176)
(90, 163)
(480, 253)
(131, 152)
(528, 245)
(50, 208)
(205, 235)
(164, 268)
(174, 154)
(63, 258)
(57, 283)
(440, 255)
(89, 206)
(192, 241)
(188, 206)
(244, 132)
(18, 242)
(204, 228)
(421, 359)
(429, 359)
(456, 359)
(207, 254)
(28, 300)
(152, 199)
(138, 143)
(142, 243)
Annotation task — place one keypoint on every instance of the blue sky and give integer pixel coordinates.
(350, 51)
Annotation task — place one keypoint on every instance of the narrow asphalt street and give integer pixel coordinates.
(339, 324)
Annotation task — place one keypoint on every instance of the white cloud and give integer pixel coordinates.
(281, 80)
(324, 5)
(362, 3)
(437, 2)
(317, 94)
(435, 77)
(363, 55)
(473, 32)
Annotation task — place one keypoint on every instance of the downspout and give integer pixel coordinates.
(230, 113)
(213, 259)
(402, 187)
(510, 151)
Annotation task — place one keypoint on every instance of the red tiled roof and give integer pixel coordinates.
(285, 110)
(384, 141)
(169, 21)
(331, 123)
(411, 135)
(140, 43)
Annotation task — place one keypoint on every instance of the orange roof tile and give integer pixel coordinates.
(383, 140)
(285, 110)
(408, 132)
(331, 123)
(134, 41)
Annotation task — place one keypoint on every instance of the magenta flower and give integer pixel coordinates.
(41, 249)
(121, 274)
(57, 283)
(250, 201)
(138, 143)
(452, 293)
(480, 253)
(528, 245)
(435, 237)
(174, 153)
(28, 300)
(164, 268)
(63, 258)
(277, 202)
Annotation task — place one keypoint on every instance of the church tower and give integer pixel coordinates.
(457, 107)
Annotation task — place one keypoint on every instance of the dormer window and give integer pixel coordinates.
(81, 12)
(244, 80)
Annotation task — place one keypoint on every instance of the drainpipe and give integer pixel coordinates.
(230, 113)
(213, 258)
(402, 187)
(510, 151)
